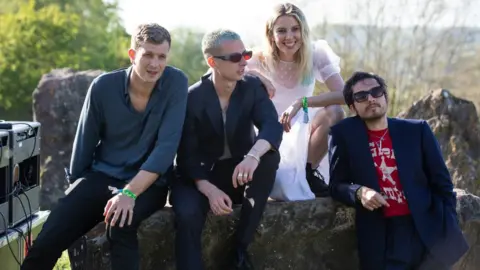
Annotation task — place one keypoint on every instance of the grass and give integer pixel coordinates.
(63, 263)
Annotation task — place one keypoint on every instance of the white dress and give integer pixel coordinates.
(288, 89)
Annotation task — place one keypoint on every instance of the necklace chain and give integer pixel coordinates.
(380, 140)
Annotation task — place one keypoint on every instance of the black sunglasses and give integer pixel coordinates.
(236, 57)
(375, 92)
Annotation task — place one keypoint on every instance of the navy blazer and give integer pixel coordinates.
(425, 179)
(202, 142)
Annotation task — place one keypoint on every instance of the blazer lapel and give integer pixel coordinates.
(213, 109)
(234, 110)
(399, 150)
(363, 154)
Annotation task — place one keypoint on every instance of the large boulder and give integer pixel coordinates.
(292, 235)
(57, 102)
(316, 234)
(456, 125)
(468, 209)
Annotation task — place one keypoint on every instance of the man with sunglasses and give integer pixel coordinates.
(392, 171)
(221, 161)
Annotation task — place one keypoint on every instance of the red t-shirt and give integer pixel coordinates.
(381, 148)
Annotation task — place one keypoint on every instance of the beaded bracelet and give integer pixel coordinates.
(305, 109)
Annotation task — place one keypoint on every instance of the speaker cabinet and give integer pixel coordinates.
(24, 169)
(4, 181)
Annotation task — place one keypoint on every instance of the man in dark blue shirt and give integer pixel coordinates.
(127, 137)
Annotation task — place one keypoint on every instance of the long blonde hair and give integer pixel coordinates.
(303, 57)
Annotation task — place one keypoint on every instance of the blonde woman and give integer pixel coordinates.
(288, 67)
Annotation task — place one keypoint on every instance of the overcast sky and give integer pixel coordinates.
(248, 16)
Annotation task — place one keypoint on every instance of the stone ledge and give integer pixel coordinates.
(317, 234)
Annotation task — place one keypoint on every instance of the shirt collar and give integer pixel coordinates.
(129, 71)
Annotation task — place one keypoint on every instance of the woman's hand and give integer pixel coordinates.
(266, 82)
(269, 86)
(289, 113)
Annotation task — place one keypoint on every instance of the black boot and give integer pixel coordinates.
(242, 260)
(316, 182)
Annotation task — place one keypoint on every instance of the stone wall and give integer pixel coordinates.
(316, 235)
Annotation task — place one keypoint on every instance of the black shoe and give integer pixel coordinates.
(316, 182)
(242, 260)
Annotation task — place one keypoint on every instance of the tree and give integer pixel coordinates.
(186, 53)
(31, 43)
(34, 40)
(411, 52)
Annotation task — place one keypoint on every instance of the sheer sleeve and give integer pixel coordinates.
(325, 61)
(257, 65)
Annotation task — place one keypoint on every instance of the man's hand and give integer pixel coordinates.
(220, 203)
(243, 173)
(289, 113)
(120, 206)
(371, 199)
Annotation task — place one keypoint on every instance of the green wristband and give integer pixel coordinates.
(305, 103)
(128, 193)
(305, 110)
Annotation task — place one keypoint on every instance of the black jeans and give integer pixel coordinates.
(82, 209)
(191, 207)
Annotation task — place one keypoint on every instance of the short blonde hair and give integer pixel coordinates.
(212, 40)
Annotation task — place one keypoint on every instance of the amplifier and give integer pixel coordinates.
(4, 181)
(24, 166)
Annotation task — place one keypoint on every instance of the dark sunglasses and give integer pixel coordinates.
(375, 92)
(236, 57)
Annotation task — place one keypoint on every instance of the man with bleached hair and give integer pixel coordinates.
(221, 161)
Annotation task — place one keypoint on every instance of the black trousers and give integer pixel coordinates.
(405, 249)
(191, 207)
(82, 209)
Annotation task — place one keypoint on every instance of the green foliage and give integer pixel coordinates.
(30, 44)
(38, 38)
(63, 262)
(186, 53)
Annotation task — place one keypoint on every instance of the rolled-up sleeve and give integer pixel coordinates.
(170, 130)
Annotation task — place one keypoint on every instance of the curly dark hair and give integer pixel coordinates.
(355, 78)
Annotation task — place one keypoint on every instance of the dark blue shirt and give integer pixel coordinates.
(113, 138)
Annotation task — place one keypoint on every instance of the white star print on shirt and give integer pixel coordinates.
(386, 171)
